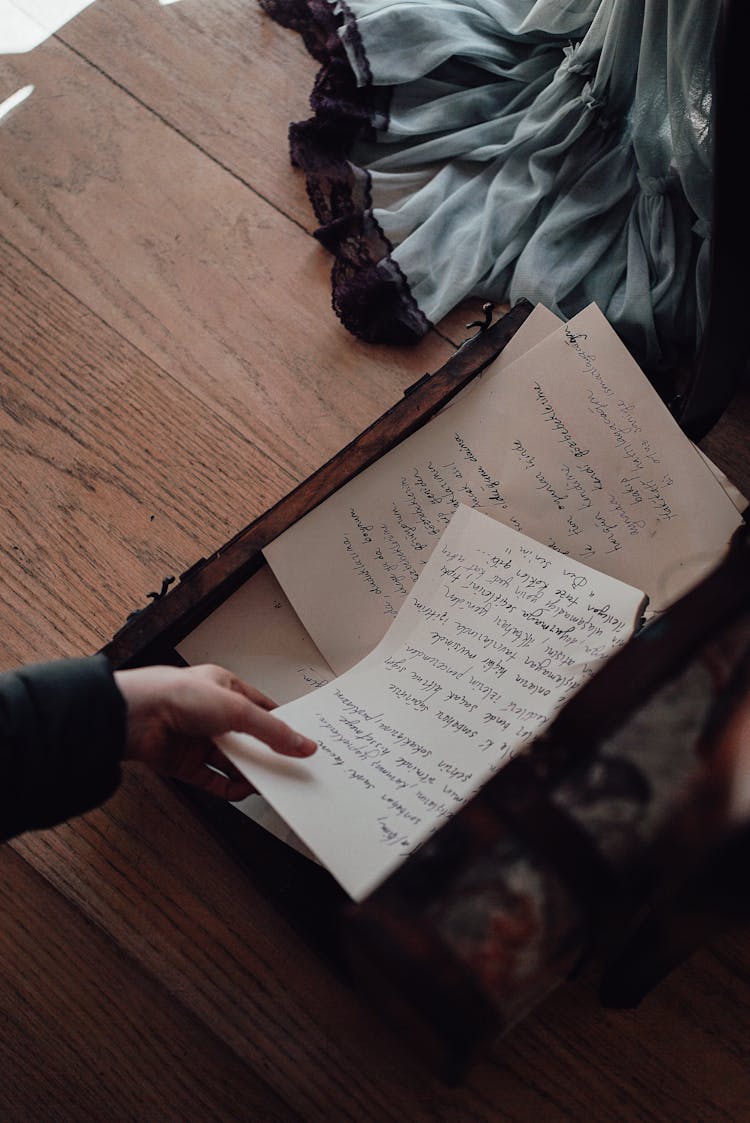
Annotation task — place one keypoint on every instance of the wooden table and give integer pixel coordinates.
(169, 367)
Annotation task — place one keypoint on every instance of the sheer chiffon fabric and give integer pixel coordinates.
(497, 149)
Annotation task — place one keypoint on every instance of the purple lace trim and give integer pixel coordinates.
(371, 295)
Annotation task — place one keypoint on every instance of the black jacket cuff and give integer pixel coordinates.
(62, 736)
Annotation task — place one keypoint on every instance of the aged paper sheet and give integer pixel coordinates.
(496, 634)
(257, 635)
(569, 445)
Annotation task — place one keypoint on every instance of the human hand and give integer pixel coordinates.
(174, 713)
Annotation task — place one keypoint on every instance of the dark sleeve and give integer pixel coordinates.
(62, 735)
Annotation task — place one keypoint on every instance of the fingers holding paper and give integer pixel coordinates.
(175, 714)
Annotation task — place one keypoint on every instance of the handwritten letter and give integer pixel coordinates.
(495, 635)
(569, 445)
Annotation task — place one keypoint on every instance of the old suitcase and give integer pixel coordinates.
(560, 853)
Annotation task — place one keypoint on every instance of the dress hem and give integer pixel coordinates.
(370, 293)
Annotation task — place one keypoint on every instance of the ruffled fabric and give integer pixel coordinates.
(497, 149)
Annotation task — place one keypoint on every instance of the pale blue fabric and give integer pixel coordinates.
(550, 150)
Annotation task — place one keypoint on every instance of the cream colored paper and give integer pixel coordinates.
(495, 635)
(256, 634)
(569, 444)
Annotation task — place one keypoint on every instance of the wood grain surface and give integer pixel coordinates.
(169, 367)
